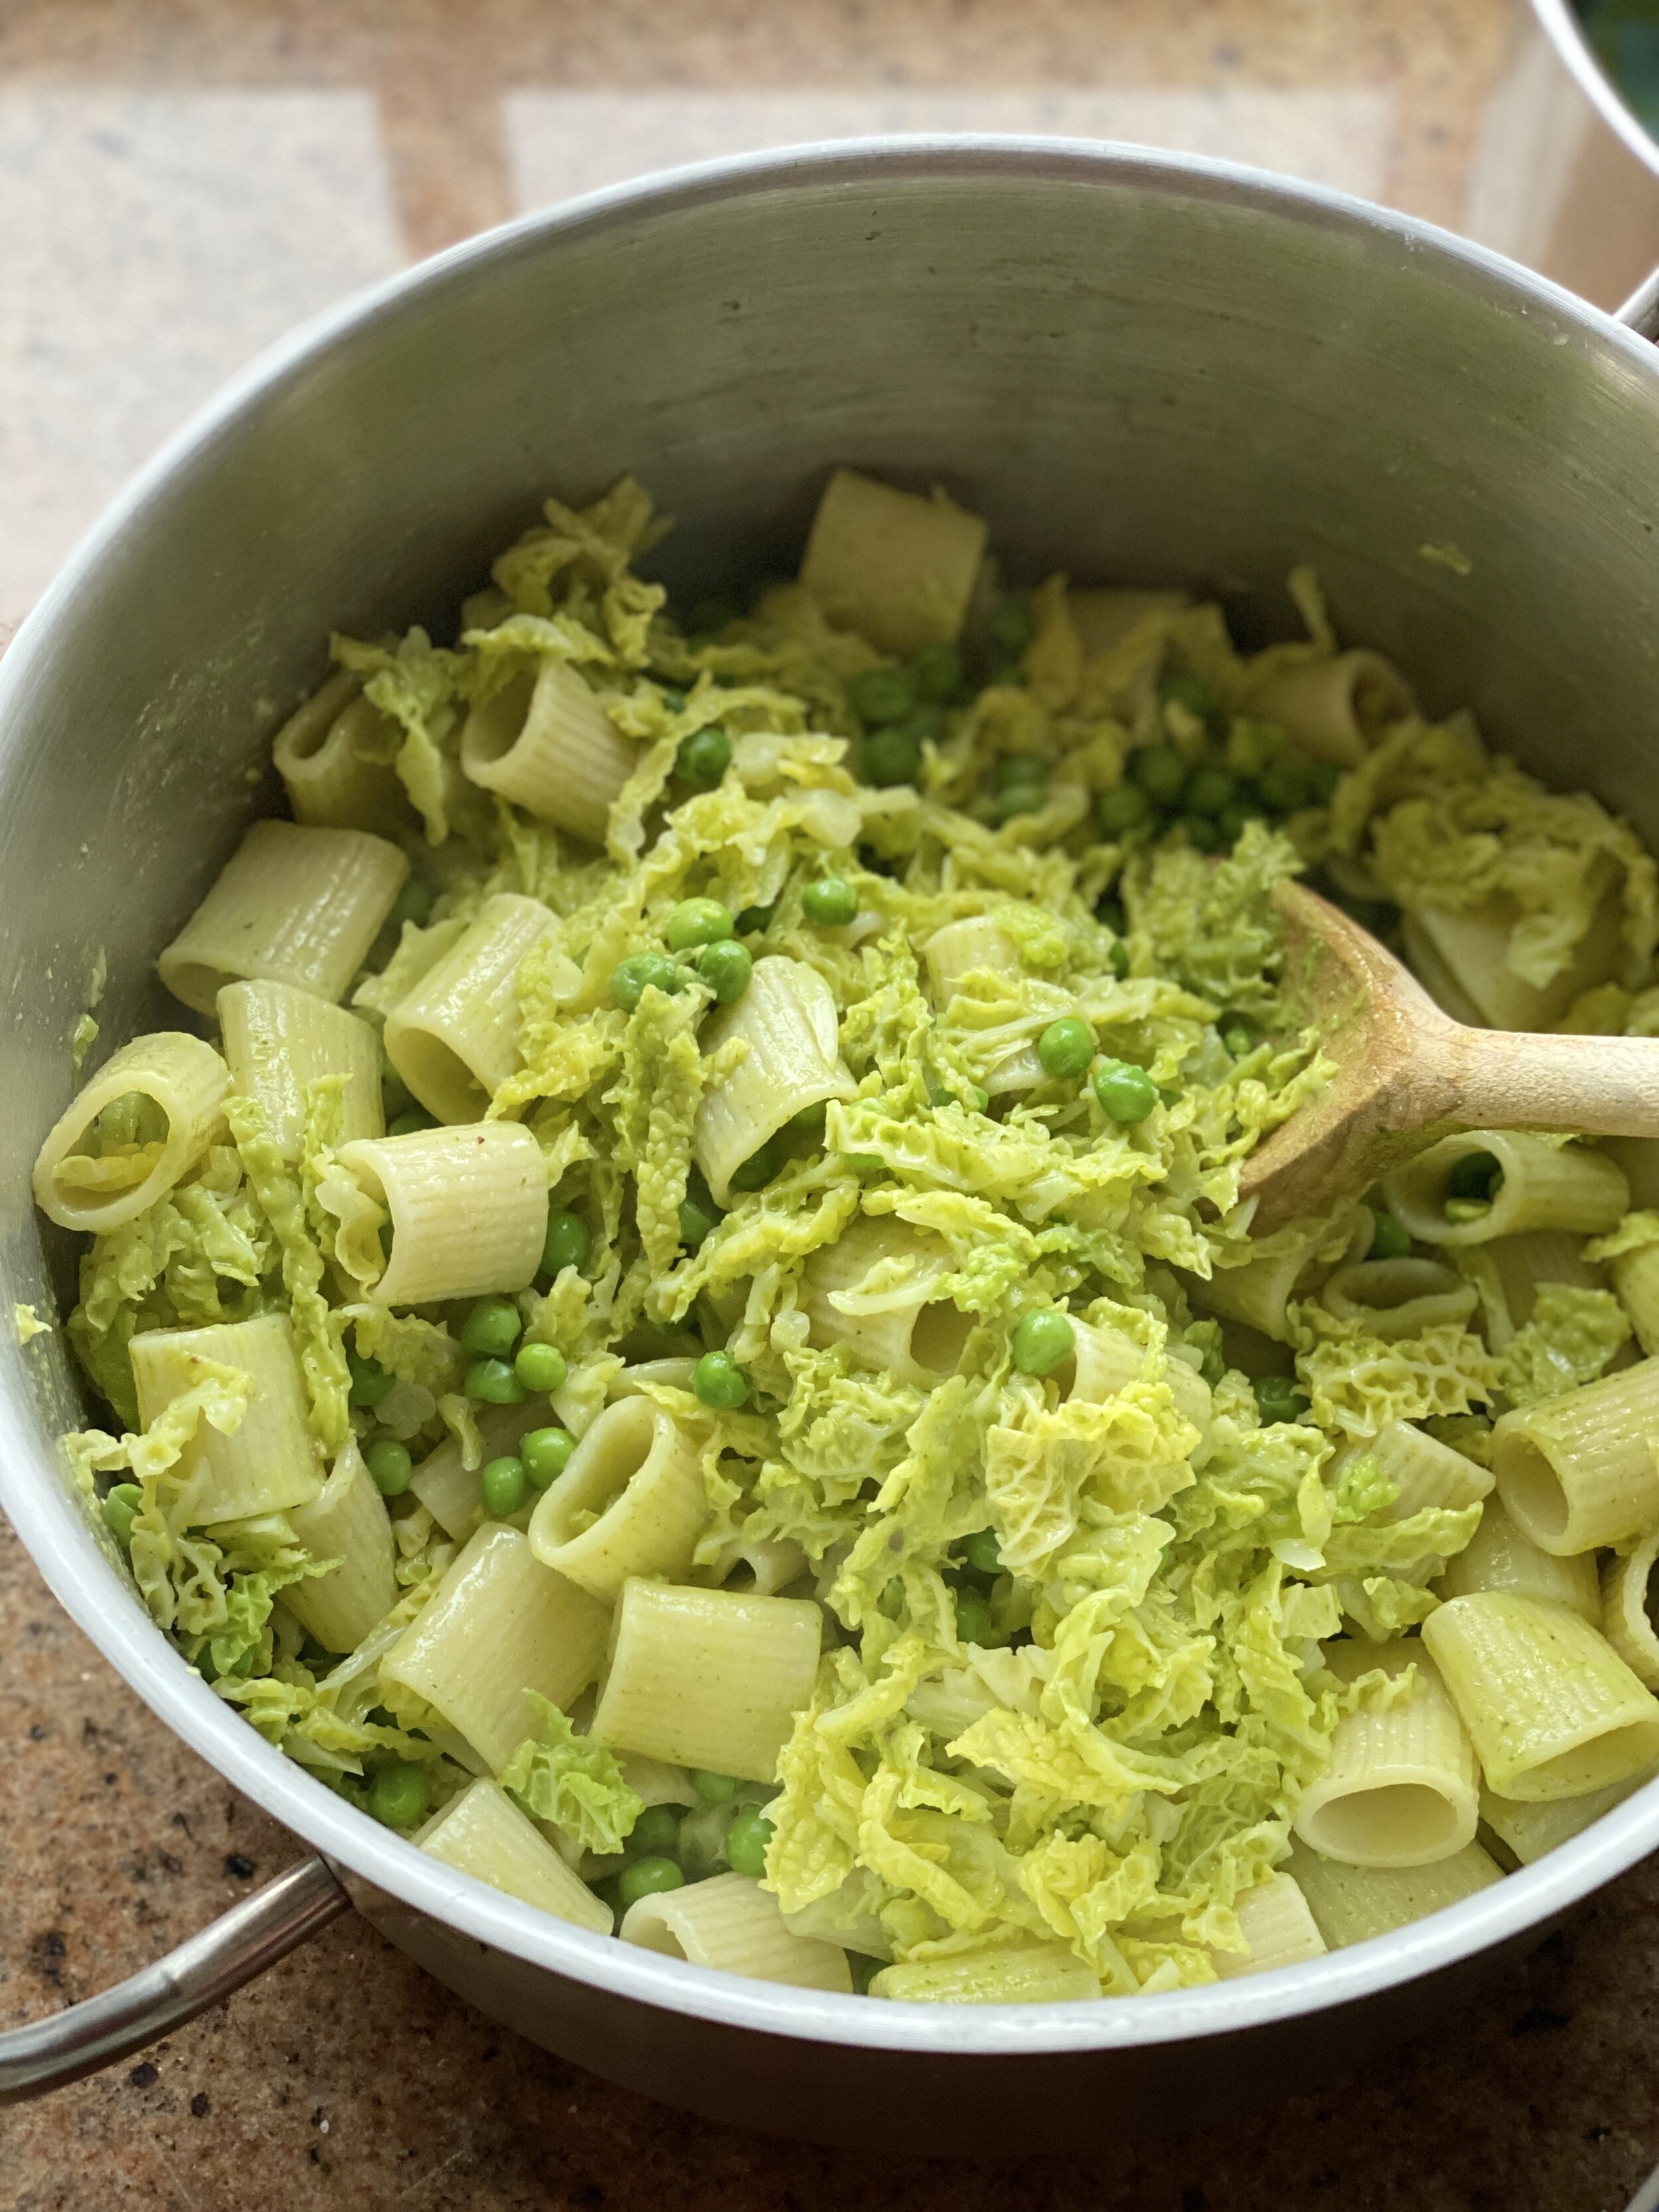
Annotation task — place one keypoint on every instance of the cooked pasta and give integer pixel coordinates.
(685, 1335)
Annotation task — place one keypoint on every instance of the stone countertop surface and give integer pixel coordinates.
(179, 181)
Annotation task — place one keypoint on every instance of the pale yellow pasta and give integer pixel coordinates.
(1530, 1831)
(731, 1922)
(1104, 617)
(1392, 1298)
(1277, 1928)
(1472, 946)
(760, 1566)
(544, 741)
(1543, 1186)
(708, 1679)
(454, 1039)
(1551, 1707)
(870, 1291)
(1627, 1605)
(1510, 1272)
(346, 1521)
(278, 1040)
(1578, 1470)
(1107, 1359)
(1637, 1158)
(631, 1501)
(481, 1832)
(978, 947)
(1423, 957)
(449, 1489)
(1636, 1280)
(1013, 1973)
(500, 1622)
(334, 754)
(1423, 1472)
(468, 1207)
(168, 1091)
(1400, 1788)
(1351, 1905)
(1260, 1292)
(270, 1461)
(1335, 708)
(787, 1020)
(898, 569)
(298, 906)
(1497, 1557)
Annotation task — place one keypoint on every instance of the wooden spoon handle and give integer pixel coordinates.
(1607, 1086)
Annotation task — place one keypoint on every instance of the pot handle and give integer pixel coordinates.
(1640, 312)
(49, 2054)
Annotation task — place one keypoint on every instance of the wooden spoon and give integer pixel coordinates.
(1407, 1074)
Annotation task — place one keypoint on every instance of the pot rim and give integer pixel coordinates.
(1561, 24)
(39, 1499)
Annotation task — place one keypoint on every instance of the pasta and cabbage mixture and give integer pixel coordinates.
(691, 1345)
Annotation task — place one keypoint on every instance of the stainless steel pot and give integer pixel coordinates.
(1138, 367)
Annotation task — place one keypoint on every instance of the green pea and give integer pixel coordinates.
(1127, 806)
(1390, 1239)
(756, 921)
(1160, 772)
(883, 694)
(1044, 1338)
(936, 672)
(1279, 1398)
(369, 1381)
(673, 699)
(746, 1840)
(647, 1878)
(1233, 821)
(892, 755)
(1119, 956)
(1012, 628)
(389, 1465)
(703, 758)
(758, 1169)
(568, 1242)
(641, 972)
(1209, 789)
(697, 922)
(504, 1483)
(540, 1367)
(413, 904)
(121, 1508)
(726, 967)
(546, 1454)
(1127, 1093)
(717, 1380)
(399, 1795)
(713, 1789)
(709, 615)
(1191, 693)
(411, 1123)
(1066, 1048)
(1283, 788)
(1203, 832)
(982, 1552)
(696, 1222)
(1476, 1175)
(493, 1383)
(973, 1621)
(656, 1833)
(491, 1328)
(830, 903)
(1322, 779)
(1240, 1035)
(1016, 799)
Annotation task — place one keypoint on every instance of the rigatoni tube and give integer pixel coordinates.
(454, 1039)
(100, 1167)
(708, 1678)
(449, 1489)
(898, 569)
(1627, 1594)
(1473, 943)
(348, 1521)
(1552, 1708)
(299, 906)
(499, 1624)
(631, 1501)
(544, 741)
(468, 1208)
(1106, 1359)
(977, 946)
(279, 1039)
(1530, 1831)
(270, 1462)
(1278, 1927)
(1537, 1186)
(1392, 1298)
(483, 1832)
(786, 1018)
(1400, 1787)
(1352, 1903)
(1578, 1470)
(731, 1922)
(334, 754)
(1012, 1973)
(1499, 1557)
(871, 1290)
(1334, 708)
(1423, 1472)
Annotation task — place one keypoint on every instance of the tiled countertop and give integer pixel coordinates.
(181, 182)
